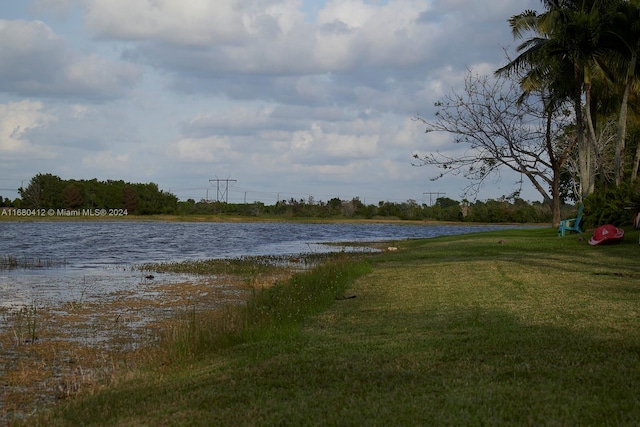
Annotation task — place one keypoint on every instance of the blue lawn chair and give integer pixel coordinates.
(571, 224)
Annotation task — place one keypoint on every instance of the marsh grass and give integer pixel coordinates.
(22, 324)
(10, 262)
(504, 328)
(53, 353)
(248, 267)
(280, 307)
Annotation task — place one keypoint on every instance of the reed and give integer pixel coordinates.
(24, 324)
(10, 262)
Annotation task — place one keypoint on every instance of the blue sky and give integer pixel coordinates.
(290, 98)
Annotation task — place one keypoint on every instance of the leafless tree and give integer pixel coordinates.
(496, 127)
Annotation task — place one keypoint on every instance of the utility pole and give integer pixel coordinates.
(224, 192)
(433, 193)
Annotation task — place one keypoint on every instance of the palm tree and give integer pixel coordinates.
(623, 37)
(561, 57)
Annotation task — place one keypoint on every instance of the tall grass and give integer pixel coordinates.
(277, 309)
(285, 305)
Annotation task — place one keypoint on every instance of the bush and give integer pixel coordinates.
(612, 206)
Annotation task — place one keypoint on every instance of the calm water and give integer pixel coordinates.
(98, 256)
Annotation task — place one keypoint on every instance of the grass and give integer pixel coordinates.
(10, 262)
(515, 327)
(249, 266)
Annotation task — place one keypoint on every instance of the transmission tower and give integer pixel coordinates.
(433, 193)
(222, 193)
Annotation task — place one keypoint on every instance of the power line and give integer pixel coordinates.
(433, 193)
(224, 193)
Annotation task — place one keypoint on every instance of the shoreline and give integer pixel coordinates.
(253, 219)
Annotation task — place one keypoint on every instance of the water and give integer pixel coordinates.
(95, 258)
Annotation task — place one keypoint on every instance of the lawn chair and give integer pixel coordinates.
(571, 224)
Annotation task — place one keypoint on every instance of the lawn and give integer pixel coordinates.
(515, 327)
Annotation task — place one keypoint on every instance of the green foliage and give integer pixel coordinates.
(286, 304)
(444, 209)
(497, 211)
(612, 206)
(47, 191)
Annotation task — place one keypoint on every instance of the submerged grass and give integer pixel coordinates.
(247, 267)
(514, 327)
(10, 262)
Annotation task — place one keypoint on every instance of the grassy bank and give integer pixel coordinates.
(514, 327)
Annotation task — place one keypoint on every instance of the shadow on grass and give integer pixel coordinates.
(471, 367)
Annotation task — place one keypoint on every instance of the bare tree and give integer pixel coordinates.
(497, 127)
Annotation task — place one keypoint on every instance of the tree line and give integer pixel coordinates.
(47, 191)
(564, 113)
(444, 209)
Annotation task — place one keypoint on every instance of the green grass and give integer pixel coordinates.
(247, 267)
(515, 327)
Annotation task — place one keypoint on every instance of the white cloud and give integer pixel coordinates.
(106, 161)
(34, 61)
(193, 22)
(280, 94)
(210, 150)
(17, 119)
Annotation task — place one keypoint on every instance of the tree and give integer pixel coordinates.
(499, 129)
(43, 192)
(624, 37)
(567, 36)
(72, 195)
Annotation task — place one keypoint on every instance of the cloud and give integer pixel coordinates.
(265, 37)
(196, 22)
(35, 62)
(106, 161)
(209, 150)
(298, 95)
(59, 8)
(17, 121)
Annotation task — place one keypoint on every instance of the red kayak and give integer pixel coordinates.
(606, 234)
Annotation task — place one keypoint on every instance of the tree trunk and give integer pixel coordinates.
(556, 165)
(583, 161)
(590, 138)
(622, 124)
(636, 163)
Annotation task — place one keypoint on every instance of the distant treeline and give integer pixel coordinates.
(46, 191)
(444, 209)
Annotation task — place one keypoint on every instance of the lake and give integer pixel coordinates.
(91, 258)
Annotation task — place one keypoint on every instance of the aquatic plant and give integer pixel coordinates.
(9, 262)
(24, 324)
(246, 266)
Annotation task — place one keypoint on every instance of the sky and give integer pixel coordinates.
(276, 99)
